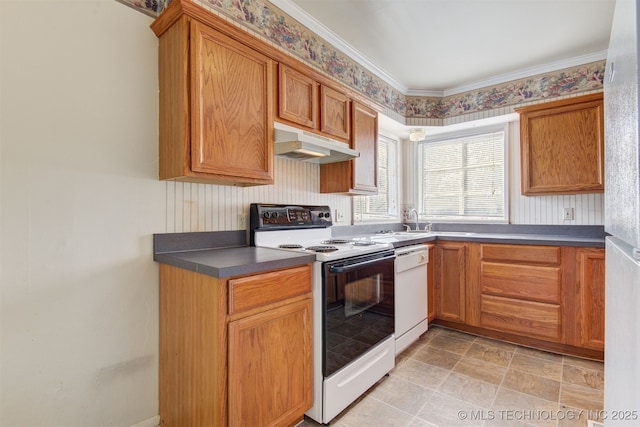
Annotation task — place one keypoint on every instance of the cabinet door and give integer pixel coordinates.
(297, 97)
(360, 175)
(334, 113)
(562, 146)
(431, 284)
(232, 108)
(364, 139)
(270, 366)
(590, 275)
(450, 281)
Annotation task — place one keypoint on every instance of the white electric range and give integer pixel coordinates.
(353, 301)
(318, 241)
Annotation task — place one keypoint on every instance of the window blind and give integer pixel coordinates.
(463, 178)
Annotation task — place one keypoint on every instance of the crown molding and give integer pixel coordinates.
(297, 13)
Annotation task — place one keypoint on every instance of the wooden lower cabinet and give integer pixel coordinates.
(270, 366)
(520, 290)
(590, 278)
(450, 267)
(431, 284)
(235, 352)
(550, 297)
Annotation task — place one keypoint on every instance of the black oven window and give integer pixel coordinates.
(359, 313)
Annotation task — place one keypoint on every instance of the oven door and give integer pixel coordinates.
(358, 306)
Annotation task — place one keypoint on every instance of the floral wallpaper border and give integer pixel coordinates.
(269, 21)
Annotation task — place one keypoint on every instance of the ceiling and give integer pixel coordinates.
(442, 47)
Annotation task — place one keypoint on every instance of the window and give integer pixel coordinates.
(384, 205)
(462, 176)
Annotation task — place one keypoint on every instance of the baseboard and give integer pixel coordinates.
(149, 422)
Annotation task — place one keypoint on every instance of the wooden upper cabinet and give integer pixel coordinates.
(232, 132)
(304, 101)
(562, 146)
(297, 97)
(360, 175)
(216, 102)
(365, 140)
(334, 113)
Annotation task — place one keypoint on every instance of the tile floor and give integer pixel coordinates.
(449, 378)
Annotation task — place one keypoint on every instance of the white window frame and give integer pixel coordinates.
(393, 214)
(504, 127)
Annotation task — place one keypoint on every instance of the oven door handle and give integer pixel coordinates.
(345, 268)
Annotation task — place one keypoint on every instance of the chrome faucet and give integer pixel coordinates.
(417, 218)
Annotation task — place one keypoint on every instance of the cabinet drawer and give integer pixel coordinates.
(523, 317)
(520, 253)
(528, 282)
(251, 292)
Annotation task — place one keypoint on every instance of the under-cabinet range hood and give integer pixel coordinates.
(298, 144)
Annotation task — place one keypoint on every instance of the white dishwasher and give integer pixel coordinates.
(410, 294)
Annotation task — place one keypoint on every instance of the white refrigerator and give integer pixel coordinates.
(622, 220)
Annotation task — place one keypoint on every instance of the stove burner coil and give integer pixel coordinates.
(322, 249)
(336, 241)
(290, 246)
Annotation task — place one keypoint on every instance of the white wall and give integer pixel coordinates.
(79, 201)
(204, 207)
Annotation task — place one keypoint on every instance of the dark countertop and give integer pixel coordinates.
(221, 254)
(518, 234)
(404, 239)
(226, 254)
(228, 262)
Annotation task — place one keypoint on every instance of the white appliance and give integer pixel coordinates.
(411, 294)
(310, 147)
(622, 219)
(353, 302)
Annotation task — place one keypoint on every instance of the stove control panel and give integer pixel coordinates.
(283, 217)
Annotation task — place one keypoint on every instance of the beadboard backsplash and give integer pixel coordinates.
(208, 207)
